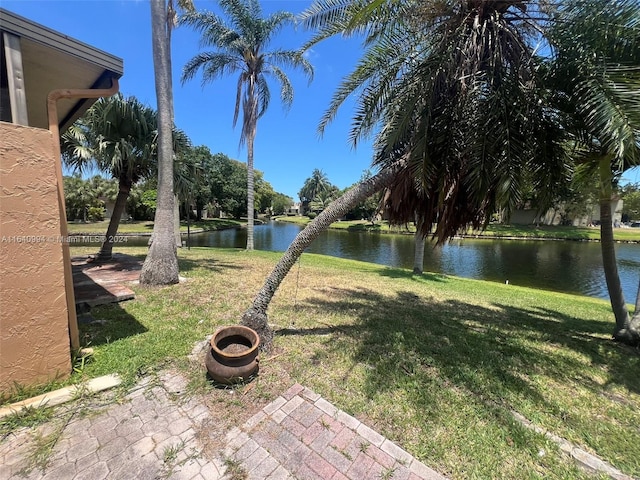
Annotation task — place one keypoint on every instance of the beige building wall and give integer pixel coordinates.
(34, 328)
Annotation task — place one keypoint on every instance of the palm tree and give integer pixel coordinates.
(78, 196)
(188, 176)
(118, 136)
(240, 48)
(161, 264)
(318, 182)
(321, 201)
(595, 72)
(452, 92)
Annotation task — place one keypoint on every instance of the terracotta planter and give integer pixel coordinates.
(233, 356)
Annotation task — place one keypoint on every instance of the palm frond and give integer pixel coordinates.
(212, 64)
(272, 25)
(263, 94)
(286, 89)
(290, 59)
(241, 48)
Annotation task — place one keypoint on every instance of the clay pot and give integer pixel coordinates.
(233, 356)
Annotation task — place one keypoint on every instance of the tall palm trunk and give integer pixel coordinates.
(623, 331)
(124, 187)
(170, 20)
(256, 316)
(252, 121)
(250, 192)
(418, 253)
(161, 265)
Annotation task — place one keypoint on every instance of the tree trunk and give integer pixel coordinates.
(630, 334)
(418, 254)
(636, 312)
(161, 265)
(256, 316)
(251, 135)
(250, 194)
(176, 221)
(622, 331)
(119, 206)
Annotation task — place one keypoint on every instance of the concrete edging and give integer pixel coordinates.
(63, 395)
(585, 460)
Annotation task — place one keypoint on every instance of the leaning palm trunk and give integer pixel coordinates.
(624, 331)
(161, 265)
(256, 316)
(106, 250)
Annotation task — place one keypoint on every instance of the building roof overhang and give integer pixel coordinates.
(52, 61)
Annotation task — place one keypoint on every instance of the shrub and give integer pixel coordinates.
(95, 214)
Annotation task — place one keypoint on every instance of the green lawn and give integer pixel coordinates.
(493, 230)
(436, 363)
(146, 227)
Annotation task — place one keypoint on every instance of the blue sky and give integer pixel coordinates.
(287, 146)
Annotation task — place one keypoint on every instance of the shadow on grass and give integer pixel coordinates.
(490, 352)
(425, 277)
(209, 264)
(110, 323)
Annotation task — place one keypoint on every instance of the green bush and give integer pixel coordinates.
(312, 215)
(95, 214)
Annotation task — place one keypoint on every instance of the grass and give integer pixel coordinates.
(146, 227)
(556, 232)
(234, 470)
(435, 363)
(493, 230)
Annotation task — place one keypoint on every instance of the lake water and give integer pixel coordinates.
(566, 266)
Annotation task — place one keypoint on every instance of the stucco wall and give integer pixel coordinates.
(34, 331)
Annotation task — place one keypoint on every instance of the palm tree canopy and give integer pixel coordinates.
(595, 72)
(453, 89)
(317, 183)
(117, 135)
(239, 48)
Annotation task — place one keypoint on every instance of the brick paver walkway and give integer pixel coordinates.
(301, 435)
(152, 434)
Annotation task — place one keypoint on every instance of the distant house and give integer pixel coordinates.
(557, 216)
(108, 210)
(294, 209)
(50, 81)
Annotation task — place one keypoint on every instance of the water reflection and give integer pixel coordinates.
(574, 267)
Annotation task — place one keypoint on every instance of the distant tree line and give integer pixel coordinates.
(630, 195)
(214, 182)
(576, 198)
(85, 198)
(221, 187)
